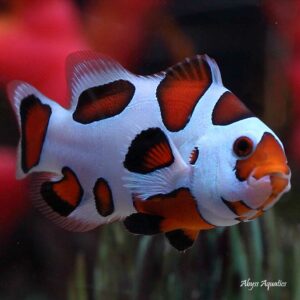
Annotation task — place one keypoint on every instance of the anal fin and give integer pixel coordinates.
(63, 196)
(58, 197)
(182, 239)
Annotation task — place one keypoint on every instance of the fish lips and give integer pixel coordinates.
(277, 177)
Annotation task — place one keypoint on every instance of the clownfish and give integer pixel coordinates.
(173, 153)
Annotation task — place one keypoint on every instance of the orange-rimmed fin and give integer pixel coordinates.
(103, 197)
(182, 239)
(229, 109)
(181, 89)
(148, 152)
(63, 196)
(104, 101)
(35, 118)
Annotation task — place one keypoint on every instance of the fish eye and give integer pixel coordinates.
(243, 146)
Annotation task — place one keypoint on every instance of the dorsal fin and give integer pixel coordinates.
(87, 69)
(182, 88)
(214, 69)
(198, 67)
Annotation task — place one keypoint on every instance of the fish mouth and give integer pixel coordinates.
(276, 176)
(266, 185)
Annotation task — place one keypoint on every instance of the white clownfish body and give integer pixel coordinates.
(175, 152)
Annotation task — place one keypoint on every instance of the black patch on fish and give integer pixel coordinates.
(148, 152)
(140, 223)
(104, 101)
(179, 240)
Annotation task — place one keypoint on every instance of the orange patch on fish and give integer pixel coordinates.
(194, 156)
(103, 197)
(105, 101)
(158, 155)
(63, 196)
(239, 208)
(181, 89)
(34, 119)
(229, 109)
(267, 158)
(178, 209)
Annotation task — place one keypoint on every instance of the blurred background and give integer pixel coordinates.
(257, 46)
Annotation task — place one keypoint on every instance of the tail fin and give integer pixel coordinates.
(33, 112)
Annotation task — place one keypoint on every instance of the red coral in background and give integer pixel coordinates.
(35, 39)
(122, 28)
(284, 16)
